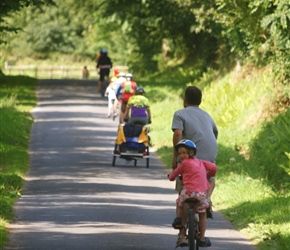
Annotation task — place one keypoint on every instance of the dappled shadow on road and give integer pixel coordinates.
(69, 92)
(72, 195)
(112, 240)
(74, 198)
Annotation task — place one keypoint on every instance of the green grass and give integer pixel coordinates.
(17, 98)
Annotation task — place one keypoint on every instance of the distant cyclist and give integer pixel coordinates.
(104, 65)
(110, 93)
(121, 77)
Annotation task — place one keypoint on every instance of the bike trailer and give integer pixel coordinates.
(132, 143)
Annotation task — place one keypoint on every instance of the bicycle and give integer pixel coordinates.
(104, 84)
(192, 224)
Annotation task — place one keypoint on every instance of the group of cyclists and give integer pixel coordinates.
(194, 141)
(123, 92)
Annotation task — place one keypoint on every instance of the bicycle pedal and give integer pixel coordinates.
(177, 226)
(182, 245)
(177, 223)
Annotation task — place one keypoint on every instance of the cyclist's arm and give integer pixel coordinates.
(176, 172)
(177, 136)
(149, 114)
(118, 89)
(211, 169)
(215, 131)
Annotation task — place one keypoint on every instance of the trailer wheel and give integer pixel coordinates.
(147, 163)
(114, 160)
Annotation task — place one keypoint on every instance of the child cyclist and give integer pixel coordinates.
(194, 173)
(110, 93)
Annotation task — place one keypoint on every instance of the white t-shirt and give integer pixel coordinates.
(110, 93)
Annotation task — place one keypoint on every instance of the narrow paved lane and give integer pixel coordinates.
(74, 199)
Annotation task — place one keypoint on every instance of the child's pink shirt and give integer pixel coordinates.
(194, 174)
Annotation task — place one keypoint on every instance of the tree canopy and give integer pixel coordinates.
(8, 7)
(148, 34)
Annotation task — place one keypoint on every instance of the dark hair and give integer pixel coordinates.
(193, 95)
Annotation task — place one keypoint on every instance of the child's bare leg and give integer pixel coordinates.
(184, 214)
(202, 225)
(181, 211)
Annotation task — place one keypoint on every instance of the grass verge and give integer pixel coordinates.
(17, 98)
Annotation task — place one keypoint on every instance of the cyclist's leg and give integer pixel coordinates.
(102, 77)
(211, 181)
(107, 78)
(184, 215)
(201, 210)
(122, 113)
(116, 103)
(181, 239)
(202, 225)
(181, 211)
(112, 106)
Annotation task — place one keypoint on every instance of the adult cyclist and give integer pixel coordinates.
(121, 77)
(138, 109)
(126, 90)
(104, 65)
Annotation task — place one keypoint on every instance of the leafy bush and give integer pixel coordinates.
(270, 152)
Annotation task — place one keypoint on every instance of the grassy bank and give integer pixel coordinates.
(17, 98)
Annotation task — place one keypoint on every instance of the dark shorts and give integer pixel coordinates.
(103, 73)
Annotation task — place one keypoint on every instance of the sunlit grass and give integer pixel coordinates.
(17, 97)
(255, 209)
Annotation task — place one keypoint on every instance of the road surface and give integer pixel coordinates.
(74, 198)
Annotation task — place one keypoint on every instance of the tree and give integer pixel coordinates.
(8, 7)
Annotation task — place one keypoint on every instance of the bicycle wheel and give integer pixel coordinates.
(192, 238)
(147, 159)
(114, 161)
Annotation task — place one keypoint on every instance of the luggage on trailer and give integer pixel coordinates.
(132, 143)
